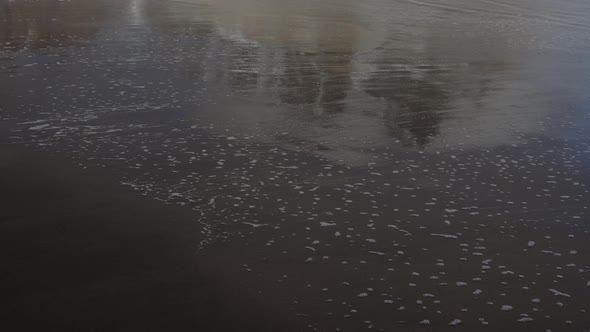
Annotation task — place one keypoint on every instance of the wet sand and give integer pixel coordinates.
(81, 253)
(352, 165)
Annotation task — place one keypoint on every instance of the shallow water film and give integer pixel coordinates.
(387, 165)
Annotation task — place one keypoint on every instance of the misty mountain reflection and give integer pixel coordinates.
(330, 73)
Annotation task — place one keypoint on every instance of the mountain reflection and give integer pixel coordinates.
(319, 80)
(315, 62)
(331, 73)
(414, 98)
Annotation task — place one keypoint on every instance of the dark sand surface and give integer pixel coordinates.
(81, 253)
(331, 165)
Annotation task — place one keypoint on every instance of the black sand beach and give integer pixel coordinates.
(81, 253)
(313, 165)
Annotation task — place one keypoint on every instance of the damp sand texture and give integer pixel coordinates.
(295, 165)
